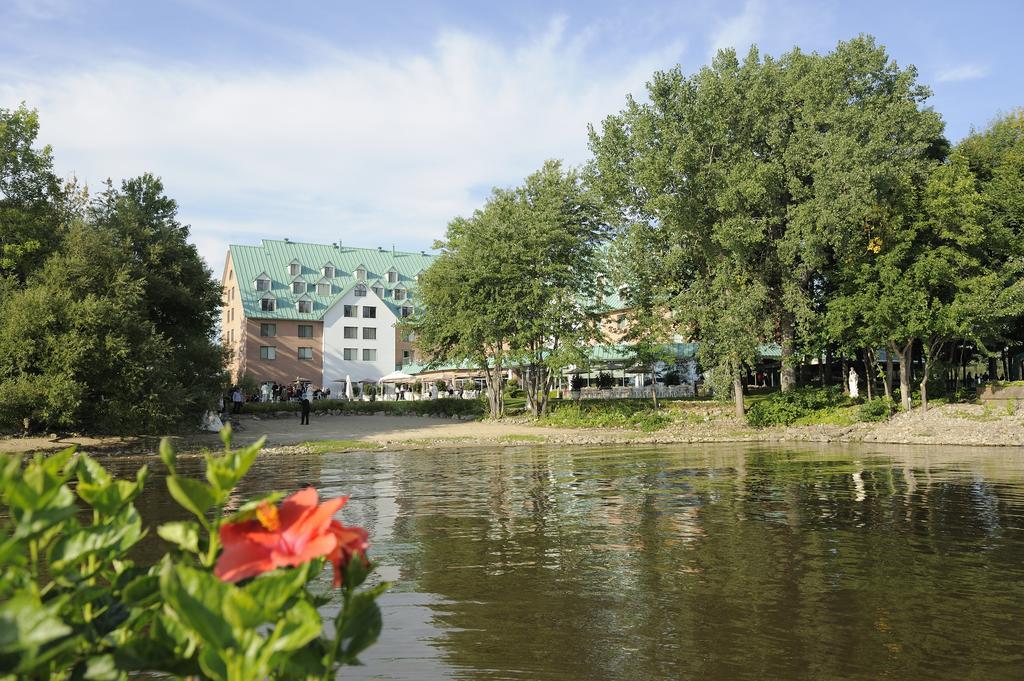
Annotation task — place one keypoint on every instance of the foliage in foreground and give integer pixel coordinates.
(236, 598)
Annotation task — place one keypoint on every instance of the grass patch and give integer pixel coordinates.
(832, 416)
(330, 446)
(434, 440)
(522, 438)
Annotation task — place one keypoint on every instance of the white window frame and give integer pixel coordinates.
(392, 276)
(369, 333)
(328, 271)
(360, 290)
(258, 281)
(323, 288)
(350, 332)
(270, 354)
(407, 311)
(294, 268)
(347, 308)
(307, 303)
(371, 309)
(268, 303)
(360, 273)
(369, 354)
(350, 354)
(298, 286)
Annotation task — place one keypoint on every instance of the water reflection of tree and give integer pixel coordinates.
(653, 565)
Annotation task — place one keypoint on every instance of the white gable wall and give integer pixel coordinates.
(335, 364)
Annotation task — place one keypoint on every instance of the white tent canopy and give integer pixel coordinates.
(396, 377)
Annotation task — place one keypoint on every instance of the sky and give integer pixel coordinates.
(377, 123)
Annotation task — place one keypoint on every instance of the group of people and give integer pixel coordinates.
(273, 392)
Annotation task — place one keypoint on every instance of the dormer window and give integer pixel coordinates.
(399, 293)
(392, 276)
(305, 304)
(268, 303)
(298, 286)
(418, 275)
(262, 283)
(328, 271)
(406, 310)
(294, 268)
(360, 290)
(361, 273)
(323, 288)
(379, 290)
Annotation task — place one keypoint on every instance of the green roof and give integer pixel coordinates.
(273, 258)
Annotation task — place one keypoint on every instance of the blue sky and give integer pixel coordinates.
(376, 123)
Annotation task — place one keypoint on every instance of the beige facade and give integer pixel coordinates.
(286, 364)
(232, 322)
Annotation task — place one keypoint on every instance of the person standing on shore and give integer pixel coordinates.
(305, 411)
(236, 399)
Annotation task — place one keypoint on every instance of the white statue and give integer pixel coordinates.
(854, 392)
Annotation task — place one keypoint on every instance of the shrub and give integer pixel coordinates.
(633, 414)
(783, 409)
(879, 409)
(219, 605)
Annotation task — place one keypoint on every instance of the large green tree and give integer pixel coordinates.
(516, 285)
(32, 201)
(748, 179)
(107, 313)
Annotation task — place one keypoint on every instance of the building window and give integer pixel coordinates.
(305, 306)
(399, 294)
(305, 330)
(268, 329)
(350, 354)
(369, 312)
(369, 355)
(407, 311)
(262, 284)
(328, 271)
(379, 290)
(408, 336)
(298, 287)
(351, 311)
(360, 274)
(360, 291)
(323, 289)
(369, 333)
(268, 352)
(406, 357)
(294, 269)
(305, 353)
(268, 304)
(351, 332)
(392, 276)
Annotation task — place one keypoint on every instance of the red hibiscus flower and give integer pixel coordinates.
(294, 533)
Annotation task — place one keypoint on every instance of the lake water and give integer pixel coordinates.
(714, 562)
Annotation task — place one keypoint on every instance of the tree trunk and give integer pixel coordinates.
(495, 399)
(737, 393)
(787, 373)
(846, 382)
(869, 371)
(906, 355)
(654, 388)
(992, 368)
(887, 380)
(931, 349)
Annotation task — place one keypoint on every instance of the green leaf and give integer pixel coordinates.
(167, 455)
(273, 589)
(225, 471)
(241, 609)
(301, 624)
(183, 533)
(225, 435)
(360, 625)
(141, 591)
(26, 625)
(103, 668)
(196, 600)
(193, 495)
(123, 532)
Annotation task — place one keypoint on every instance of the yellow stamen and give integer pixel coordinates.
(267, 515)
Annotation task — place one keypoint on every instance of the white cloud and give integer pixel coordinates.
(962, 72)
(372, 150)
(740, 31)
